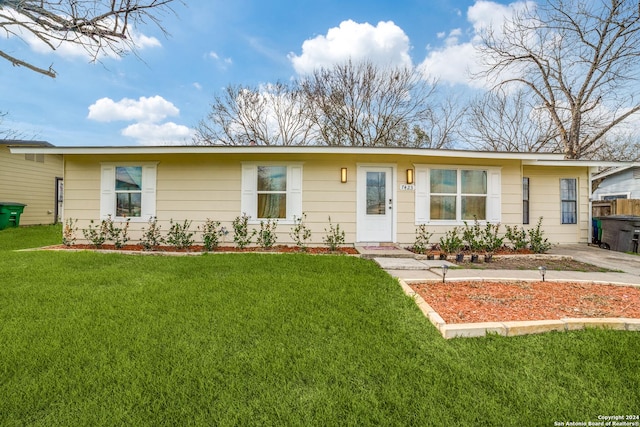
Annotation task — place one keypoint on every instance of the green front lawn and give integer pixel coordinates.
(263, 339)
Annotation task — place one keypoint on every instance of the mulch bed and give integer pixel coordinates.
(473, 301)
(196, 248)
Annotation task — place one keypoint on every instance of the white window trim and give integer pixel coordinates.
(619, 193)
(576, 201)
(423, 194)
(249, 193)
(108, 193)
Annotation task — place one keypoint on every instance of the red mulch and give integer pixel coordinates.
(470, 302)
(196, 248)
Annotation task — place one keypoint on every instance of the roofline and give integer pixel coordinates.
(615, 171)
(24, 142)
(243, 149)
(589, 163)
(539, 159)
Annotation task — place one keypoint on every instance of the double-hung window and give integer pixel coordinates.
(128, 191)
(456, 194)
(568, 200)
(272, 191)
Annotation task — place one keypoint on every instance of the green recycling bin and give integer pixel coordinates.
(10, 214)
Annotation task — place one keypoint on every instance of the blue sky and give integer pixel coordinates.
(159, 96)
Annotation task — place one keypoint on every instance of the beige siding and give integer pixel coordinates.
(197, 187)
(544, 201)
(511, 197)
(32, 183)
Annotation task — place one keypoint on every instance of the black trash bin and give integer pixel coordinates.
(620, 232)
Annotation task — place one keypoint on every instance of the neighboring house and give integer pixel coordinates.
(618, 183)
(34, 179)
(375, 194)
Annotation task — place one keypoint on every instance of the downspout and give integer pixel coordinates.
(591, 171)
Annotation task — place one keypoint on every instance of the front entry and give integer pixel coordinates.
(375, 204)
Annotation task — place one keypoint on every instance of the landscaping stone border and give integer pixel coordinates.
(515, 328)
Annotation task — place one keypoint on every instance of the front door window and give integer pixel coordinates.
(376, 193)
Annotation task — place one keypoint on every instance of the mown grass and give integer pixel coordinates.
(262, 339)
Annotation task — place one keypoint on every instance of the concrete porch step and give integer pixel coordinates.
(371, 250)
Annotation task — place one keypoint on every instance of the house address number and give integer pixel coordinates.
(407, 187)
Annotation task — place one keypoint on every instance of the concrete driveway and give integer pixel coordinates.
(601, 257)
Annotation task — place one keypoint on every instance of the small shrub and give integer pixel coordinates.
(300, 234)
(69, 232)
(335, 236)
(421, 243)
(491, 240)
(517, 236)
(241, 234)
(472, 235)
(96, 235)
(537, 242)
(179, 235)
(451, 242)
(211, 234)
(267, 234)
(151, 237)
(119, 236)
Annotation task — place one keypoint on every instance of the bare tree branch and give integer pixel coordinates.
(499, 121)
(98, 26)
(349, 104)
(579, 59)
(271, 115)
(360, 104)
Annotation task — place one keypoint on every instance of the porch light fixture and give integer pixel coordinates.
(409, 176)
(343, 175)
(445, 268)
(543, 271)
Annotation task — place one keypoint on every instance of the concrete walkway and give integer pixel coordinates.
(403, 264)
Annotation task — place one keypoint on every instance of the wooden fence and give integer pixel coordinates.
(616, 207)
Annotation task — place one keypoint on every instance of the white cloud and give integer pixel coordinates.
(143, 42)
(221, 62)
(71, 46)
(456, 60)
(384, 44)
(159, 134)
(148, 113)
(454, 37)
(149, 110)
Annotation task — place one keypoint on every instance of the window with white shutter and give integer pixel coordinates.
(452, 194)
(272, 191)
(128, 190)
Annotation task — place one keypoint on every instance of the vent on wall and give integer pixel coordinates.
(636, 173)
(34, 157)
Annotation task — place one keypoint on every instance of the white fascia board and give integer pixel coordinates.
(614, 171)
(198, 149)
(576, 163)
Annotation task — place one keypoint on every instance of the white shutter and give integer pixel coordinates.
(422, 195)
(249, 198)
(294, 192)
(148, 192)
(107, 191)
(494, 196)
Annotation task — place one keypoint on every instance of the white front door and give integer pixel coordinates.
(375, 204)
